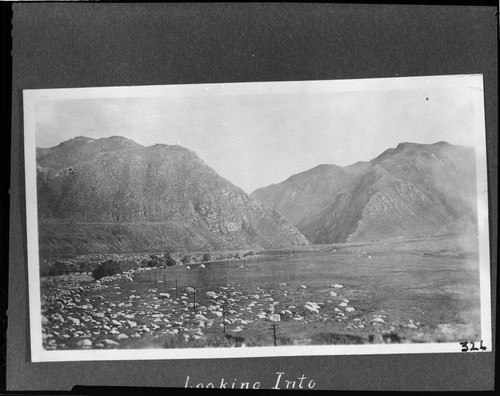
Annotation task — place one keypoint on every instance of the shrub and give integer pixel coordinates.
(186, 259)
(107, 268)
(59, 268)
(155, 261)
(207, 257)
(169, 261)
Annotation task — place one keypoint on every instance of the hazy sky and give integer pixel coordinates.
(256, 134)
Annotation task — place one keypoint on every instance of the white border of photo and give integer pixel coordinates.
(39, 354)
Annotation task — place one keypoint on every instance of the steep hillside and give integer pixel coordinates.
(304, 193)
(411, 190)
(113, 195)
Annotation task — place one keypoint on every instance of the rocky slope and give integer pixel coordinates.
(114, 195)
(304, 193)
(408, 191)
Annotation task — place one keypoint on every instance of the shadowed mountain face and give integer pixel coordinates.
(409, 191)
(303, 194)
(114, 195)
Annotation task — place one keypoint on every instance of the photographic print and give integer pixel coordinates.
(258, 219)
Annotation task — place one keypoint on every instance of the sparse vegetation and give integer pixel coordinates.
(169, 261)
(107, 268)
(348, 308)
(184, 341)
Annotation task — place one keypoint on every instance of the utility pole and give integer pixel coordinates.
(224, 318)
(274, 332)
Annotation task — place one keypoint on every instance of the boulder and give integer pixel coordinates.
(110, 342)
(84, 343)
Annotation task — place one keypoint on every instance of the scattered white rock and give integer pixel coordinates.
(350, 309)
(110, 342)
(312, 307)
(337, 286)
(122, 336)
(313, 304)
(84, 343)
(57, 317)
(74, 320)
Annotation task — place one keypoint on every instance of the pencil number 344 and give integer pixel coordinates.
(470, 346)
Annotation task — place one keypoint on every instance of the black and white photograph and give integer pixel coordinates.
(293, 218)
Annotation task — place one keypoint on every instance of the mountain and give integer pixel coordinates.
(114, 195)
(305, 193)
(412, 190)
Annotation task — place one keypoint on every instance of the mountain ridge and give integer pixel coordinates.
(410, 190)
(129, 197)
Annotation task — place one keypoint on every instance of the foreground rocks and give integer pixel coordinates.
(130, 311)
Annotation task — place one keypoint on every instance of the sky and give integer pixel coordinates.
(257, 134)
